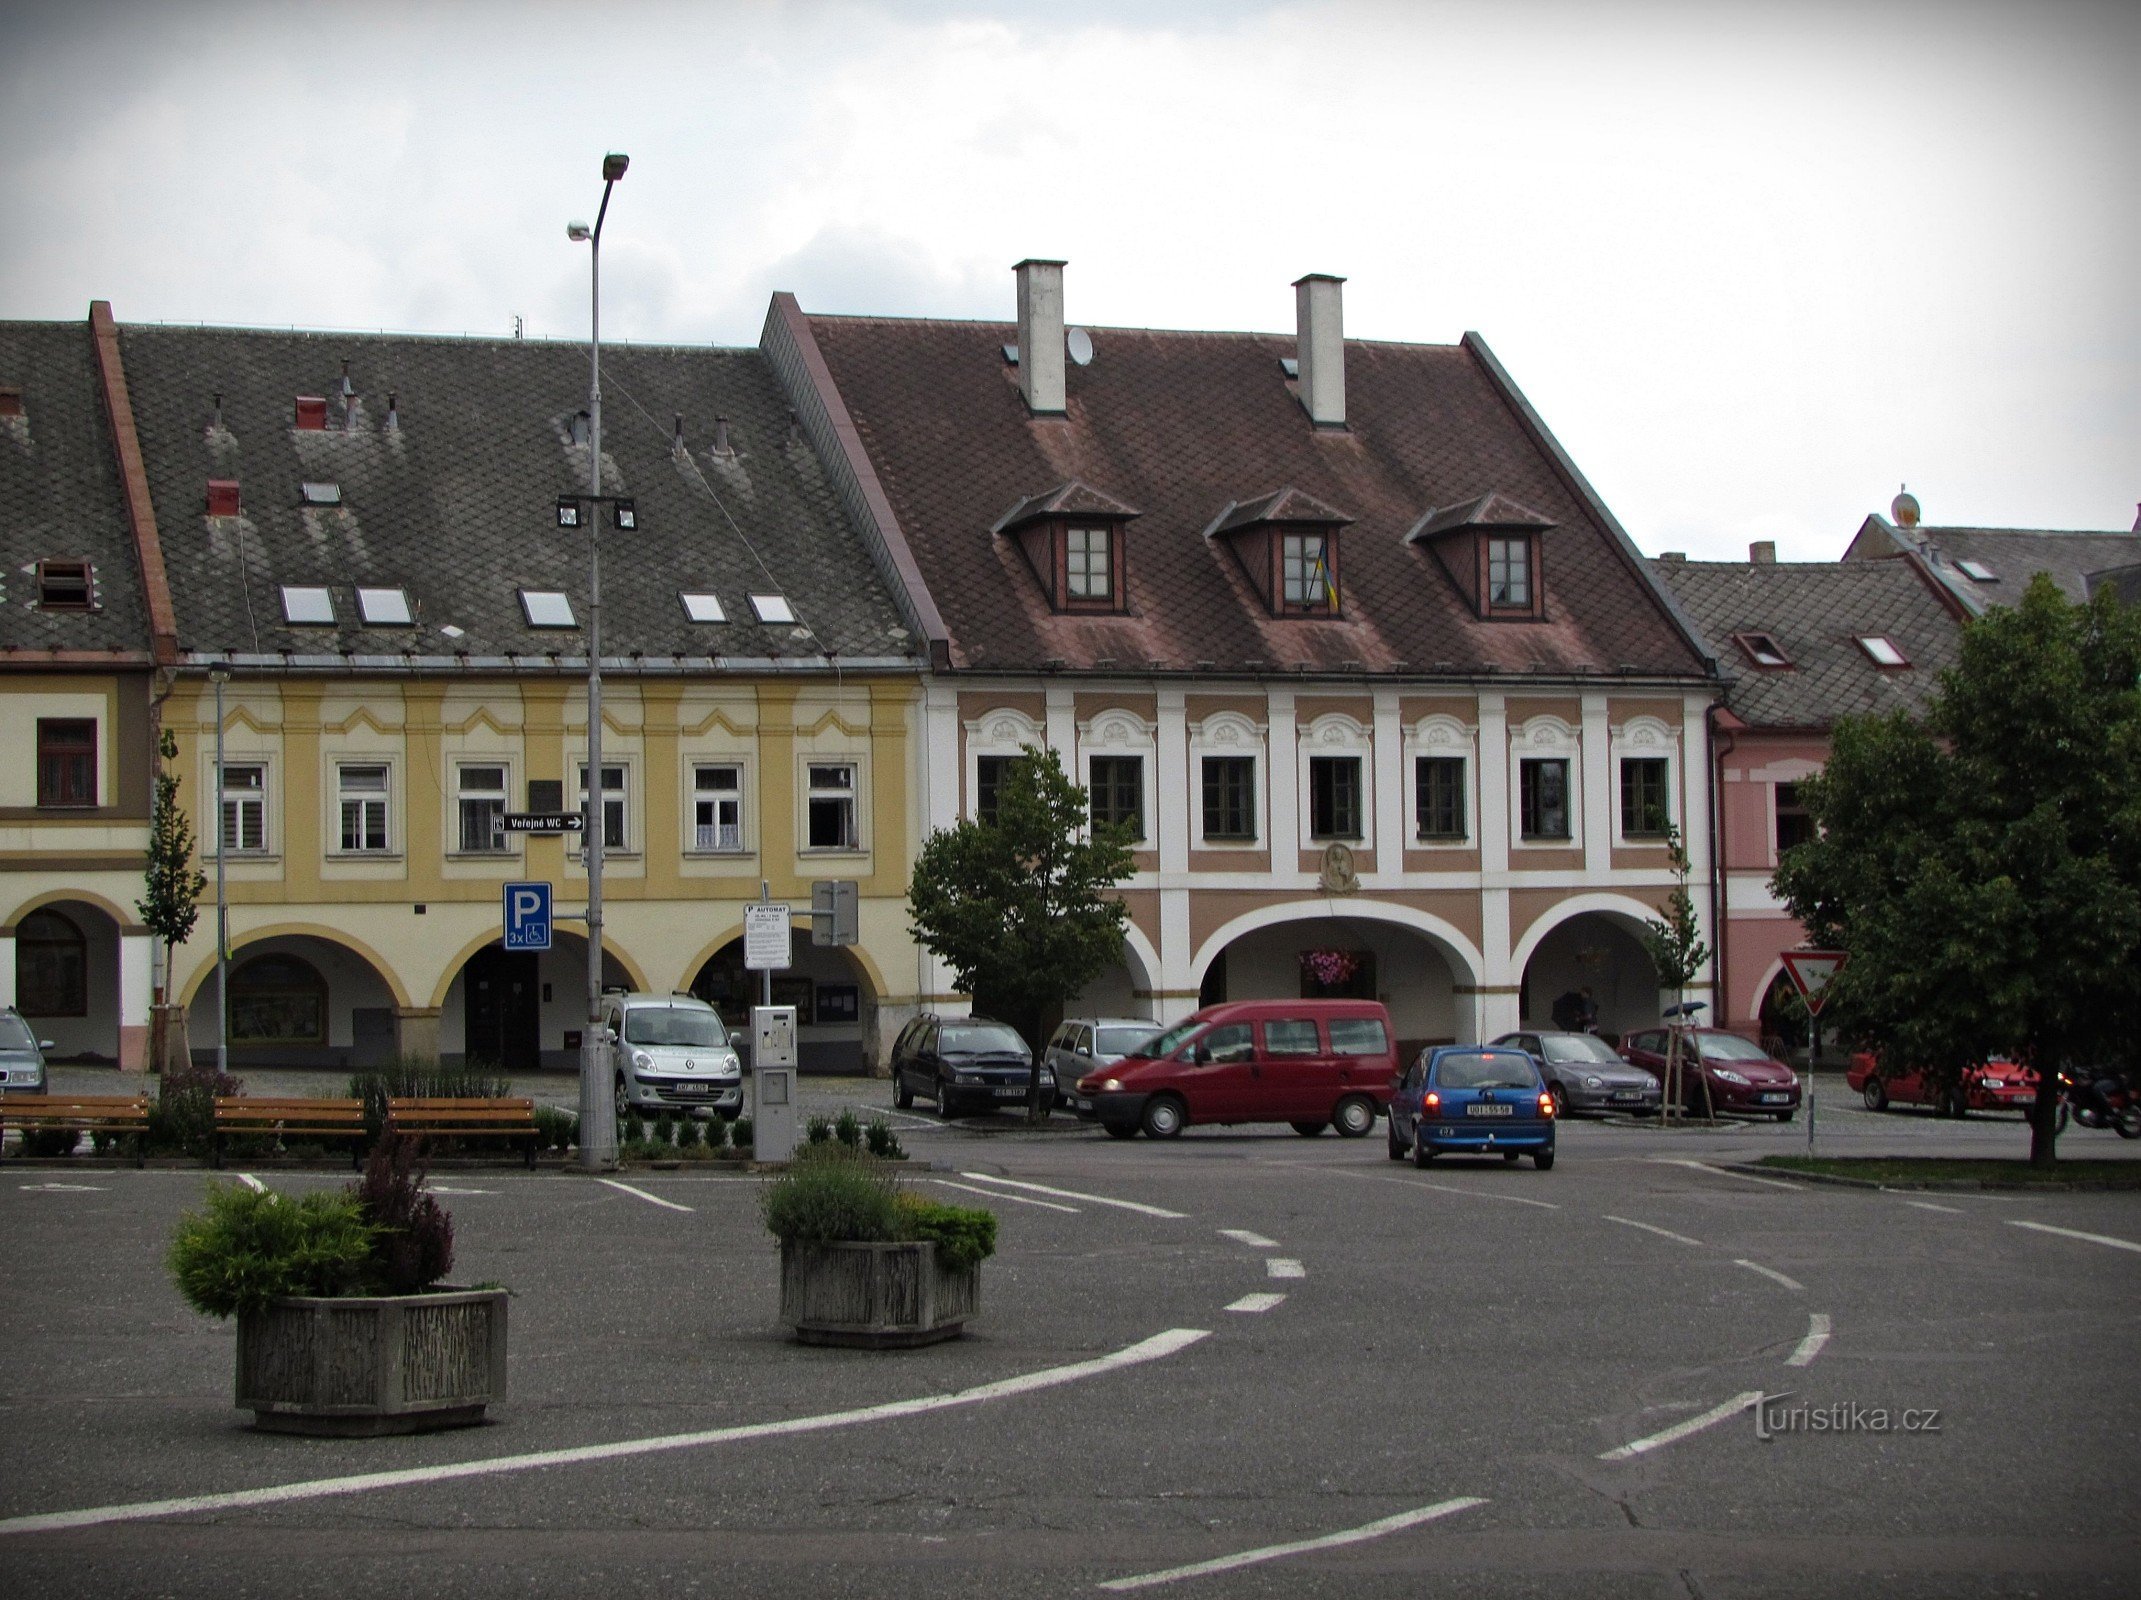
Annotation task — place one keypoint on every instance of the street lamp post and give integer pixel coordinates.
(219, 675)
(598, 1112)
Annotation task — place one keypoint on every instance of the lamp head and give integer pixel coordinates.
(613, 166)
(219, 672)
(578, 232)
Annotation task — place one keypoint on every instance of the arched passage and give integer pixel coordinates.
(297, 999)
(524, 1010)
(1124, 988)
(833, 989)
(67, 977)
(1588, 950)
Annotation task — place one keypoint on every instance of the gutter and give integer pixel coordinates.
(552, 666)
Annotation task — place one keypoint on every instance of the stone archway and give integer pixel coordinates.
(297, 1000)
(1594, 948)
(831, 988)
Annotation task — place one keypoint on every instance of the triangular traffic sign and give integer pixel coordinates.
(1811, 971)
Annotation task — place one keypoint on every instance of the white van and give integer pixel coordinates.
(671, 1052)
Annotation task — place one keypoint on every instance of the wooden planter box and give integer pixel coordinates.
(875, 1296)
(366, 1365)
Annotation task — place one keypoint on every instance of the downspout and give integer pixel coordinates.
(1717, 854)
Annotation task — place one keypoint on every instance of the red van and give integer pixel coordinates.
(1310, 1063)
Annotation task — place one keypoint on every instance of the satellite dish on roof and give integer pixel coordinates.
(1905, 509)
(1080, 345)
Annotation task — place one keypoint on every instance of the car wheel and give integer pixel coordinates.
(1121, 1130)
(1421, 1153)
(1397, 1145)
(944, 1099)
(1510, 1156)
(1875, 1094)
(2059, 1121)
(624, 1101)
(2127, 1124)
(1308, 1130)
(1543, 1160)
(1355, 1116)
(1164, 1117)
(1561, 1097)
(902, 1096)
(1955, 1104)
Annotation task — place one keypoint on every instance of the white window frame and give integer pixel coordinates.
(616, 802)
(1098, 541)
(1229, 733)
(1119, 734)
(1000, 732)
(858, 811)
(1333, 734)
(1646, 739)
(1441, 735)
(462, 795)
(1546, 738)
(344, 797)
(260, 800)
(695, 795)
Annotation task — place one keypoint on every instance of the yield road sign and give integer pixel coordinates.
(1812, 971)
(527, 907)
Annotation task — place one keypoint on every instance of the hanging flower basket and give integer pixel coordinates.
(1330, 968)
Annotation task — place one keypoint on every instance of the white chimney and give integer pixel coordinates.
(1040, 336)
(1320, 348)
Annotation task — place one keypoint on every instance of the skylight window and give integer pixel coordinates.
(1979, 571)
(321, 494)
(307, 604)
(385, 608)
(547, 608)
(1762, 649)
(703, 607)
(1883, 650)
(772, 608)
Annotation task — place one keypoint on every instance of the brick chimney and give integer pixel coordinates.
(1040, 336)
(1320, 347)
(1763, 552)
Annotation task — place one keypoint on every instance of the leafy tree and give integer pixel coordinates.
(1982, 864)
(172, 884)
(1675, 947)
(1017, 905)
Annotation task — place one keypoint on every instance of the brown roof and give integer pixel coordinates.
(1191, 427)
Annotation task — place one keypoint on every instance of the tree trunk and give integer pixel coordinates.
(2044, 1121)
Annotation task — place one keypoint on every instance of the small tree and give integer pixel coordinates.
(1675, 947)
(171, 885)
(1017, 904)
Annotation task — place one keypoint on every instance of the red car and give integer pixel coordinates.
(1741, 1076)
(1993, 1085)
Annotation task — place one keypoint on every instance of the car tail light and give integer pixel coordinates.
(1430, 1101)
(1546, 1105)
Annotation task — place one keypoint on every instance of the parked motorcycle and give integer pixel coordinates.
(2101, 1098)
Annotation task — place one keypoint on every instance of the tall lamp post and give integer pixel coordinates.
(598, 1112)
(219, 675)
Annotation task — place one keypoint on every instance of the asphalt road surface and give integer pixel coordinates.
(1240, 1363)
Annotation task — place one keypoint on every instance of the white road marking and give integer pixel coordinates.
(1280, 1267)
(1257, 1302)
(440, 1188)
(1328, 1541)
(1244, 1236)
(252, 1183)
(1927, 1205)
(1678, 1431)
(1663, 1233)
(1159, 1346)
(914, 1117)
(59, 1188)
(2076, 1233)
(1073, 1194)
(1418, 1183)
(641, 1194)
(968, 1188)
(1817, 1335)
(1773, 1276)
(1724, 1172)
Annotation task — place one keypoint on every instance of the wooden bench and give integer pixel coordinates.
(289, 1117)
(435, 1118)
(83, 1113)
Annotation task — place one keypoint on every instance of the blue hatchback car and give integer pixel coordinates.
(1472, 1099)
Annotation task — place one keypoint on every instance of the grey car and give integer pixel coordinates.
(1584, 1074)
(22, 1055)
(1083, 1043)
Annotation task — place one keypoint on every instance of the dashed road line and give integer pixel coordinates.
(1651, 1227)
(1256, 1302)
(1073, 1194)
(641, 1194)
(1244, 1236)
(1281, 1267)
(252, 1183)
(59, 1188)
(1018, 1199)
(1771, 1274)
(1158, 1347)
(1817, 1335)
(1725, 1172)
(1927, 1205)
(1680, 1430)
(1273, 1552)
(2076, 1233)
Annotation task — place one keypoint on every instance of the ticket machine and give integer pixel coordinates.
(773, 1066)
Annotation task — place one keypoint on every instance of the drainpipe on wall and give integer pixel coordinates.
(1718, 752)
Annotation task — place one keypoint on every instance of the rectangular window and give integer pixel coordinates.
(65, 586)
(362, 791)
(1291, 1038)
(1509, 572)
(1646, 804)
(1230, 798)
(245, 806)
(613, 807)
(1117, 788)
(1794, 825)
(1334, 797)
(66, 761)
(1089, 564)
(717, 808)
(831, 803)
(989, 775)
(1358, 1036)
(482, 800)
(1306, 582)
(1439, 796)
(1543, 799)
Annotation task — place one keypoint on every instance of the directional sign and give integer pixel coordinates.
(1811, 972)
(527, 916)
(544, 822)
(765, 936)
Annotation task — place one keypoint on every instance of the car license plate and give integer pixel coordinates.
(1628, 1094)
(1490, 1111)
(1010, 1092)
(1775, 1099)
(1080, 1103)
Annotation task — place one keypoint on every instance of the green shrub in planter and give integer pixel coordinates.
(635, 1131)
(965, 1236)
(413, 1075)
(687, 1135)
(879, 1139)
(847, 1128)
(741, 1136)
(716, 1133)
(252, 1246)
(182, 1117)
(830, 1195)
(818, 1129)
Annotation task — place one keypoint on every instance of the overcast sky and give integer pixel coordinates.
(1756, 264)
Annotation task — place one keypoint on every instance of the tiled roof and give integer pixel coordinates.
(1185, 426)
(2125, 582)
(2012, 555)
(60, 496)
(1815, 612)
(1070, 499)
(1488, 511)
(456, 503)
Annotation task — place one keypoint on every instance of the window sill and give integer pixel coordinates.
(1546, 841)
(364, 855)
(245, 857)
(833, 850)
(1441, 841)
(483, 855)
(741, 853)
(1229, 841)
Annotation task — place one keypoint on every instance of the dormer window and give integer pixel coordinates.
(1308, 577)
(1509, 572)
(1287, 544)
(1491, 550)
(65, 586)
(1073, 540)
(1881, 650)
(1762, 649)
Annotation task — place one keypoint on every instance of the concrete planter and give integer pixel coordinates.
(366, 1365)
(875, 1296)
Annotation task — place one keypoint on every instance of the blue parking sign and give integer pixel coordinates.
(527, 916)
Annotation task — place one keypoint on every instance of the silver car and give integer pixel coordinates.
(672, 1053)
(22, 1055)
(1084, 1043)
(1583, 1073)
